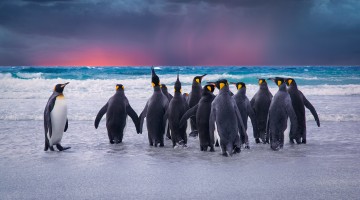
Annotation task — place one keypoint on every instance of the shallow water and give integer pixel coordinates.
(325, 168)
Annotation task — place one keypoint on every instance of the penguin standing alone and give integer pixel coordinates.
(202, 112)
(299, 102)
(279, 112)
(246, 111)
(193, 99)
(55, 119)
(260, 103)
(177, 107)
(117, 109)
(154, 112)
(225, 113)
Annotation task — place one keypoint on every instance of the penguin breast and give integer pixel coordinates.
(58, 120)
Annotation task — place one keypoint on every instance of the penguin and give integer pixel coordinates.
(154, 112)
(55, 119)
(260, 103)
(169, 96)
(299, 102)
(193, 99)
(177, 107)
(245, 110)
(225, 113)
(280, 110)
(117, 109)
(202, 112)
(165, 92)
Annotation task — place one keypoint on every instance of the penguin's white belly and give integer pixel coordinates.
(58, 120)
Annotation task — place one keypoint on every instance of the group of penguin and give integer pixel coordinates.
(218, 120)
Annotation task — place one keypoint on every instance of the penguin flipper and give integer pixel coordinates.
(130, 111)
(189, 113)
(267, 129)
(212, 120)
(47, 117)
(293, 119)
(141, 118)
(241, 126)
(252, 116)
(102, 111)
(309, 106)
(66, 125)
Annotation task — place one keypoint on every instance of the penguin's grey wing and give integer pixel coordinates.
(66, 125)
(130, 111)
(252, 116)
(47, 117)
(267, 128)
(309, 106)
(290, 111)
(240, 123)
(171, 96)
(100, 115)
(189, 113)
(141, 118)
(212, 119)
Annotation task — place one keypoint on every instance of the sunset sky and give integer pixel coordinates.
(179, 32)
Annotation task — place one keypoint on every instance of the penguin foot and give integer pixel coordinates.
(212, 149)
(193, 134)
(51, 148)
(291, 141)
(257, 140)
(225, 154)
(236, 150)
(298, 141)
(58, 146)
(276, 147)
(203, 148)
(303, 141)
(247, 146)
(111, 142)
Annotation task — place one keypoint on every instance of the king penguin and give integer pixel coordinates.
(280, 110)
(225, 113)
(177, 107)
(299, 102)
(55, 119)
(260, 103)
(193, 99)
(246, 111)
(202, 112)
(154, 112)
(117, 109)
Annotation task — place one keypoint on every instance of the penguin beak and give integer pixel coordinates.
(203, 76)
(63, 85)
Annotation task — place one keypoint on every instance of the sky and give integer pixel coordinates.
(179, 32)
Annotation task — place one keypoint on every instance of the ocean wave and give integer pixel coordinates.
(29, 75)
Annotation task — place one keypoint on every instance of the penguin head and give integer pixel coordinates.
(290, 82)
(220, 84)
(209, 88)
(198, 79)
(119, 87)
(177, 86)
(262, 81)
(155, 81)
(278, 80)
(59, 88)
(239, 85)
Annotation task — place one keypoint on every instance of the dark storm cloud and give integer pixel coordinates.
(300, 32)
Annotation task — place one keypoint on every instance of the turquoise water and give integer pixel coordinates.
(309, 75)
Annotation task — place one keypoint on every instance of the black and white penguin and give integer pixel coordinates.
(226, 115)
(117, 109)
(280, 110)
(193, 99)
(246, 111)
(55, 119)
(154, 112)
(202, 112)
(299, 102)
(177, 107)
(260, 103)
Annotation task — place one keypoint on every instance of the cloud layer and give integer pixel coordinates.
(179, 32)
